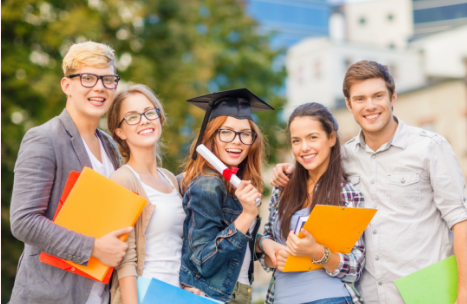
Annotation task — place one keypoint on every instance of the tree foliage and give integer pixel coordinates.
(181, 49)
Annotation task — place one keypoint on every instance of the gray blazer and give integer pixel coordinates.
(46, 156)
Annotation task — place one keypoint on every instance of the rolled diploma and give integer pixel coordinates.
(220, 167)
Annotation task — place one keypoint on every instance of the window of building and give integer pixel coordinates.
(347, 63)
(390, 17)
(362, 21)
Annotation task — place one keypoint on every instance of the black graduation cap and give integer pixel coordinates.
(238, 103)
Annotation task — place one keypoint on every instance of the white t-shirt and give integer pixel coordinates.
(243, 276)
(164, 234)
(99, 294)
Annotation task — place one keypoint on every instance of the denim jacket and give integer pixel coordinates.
(213, 249)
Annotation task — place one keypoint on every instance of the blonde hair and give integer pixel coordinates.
(113, 118)
(88, 53)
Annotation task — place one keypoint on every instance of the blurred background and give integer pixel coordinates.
(288, 52)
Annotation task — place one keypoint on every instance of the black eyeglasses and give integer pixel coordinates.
(90, 80)
(135, 118)
(226, 135)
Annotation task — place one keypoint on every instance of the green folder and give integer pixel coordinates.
(435, 284)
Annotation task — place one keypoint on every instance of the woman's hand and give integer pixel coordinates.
(247, 195)
(194, 290)
(281, 258)
(271, 248)
(304, 247)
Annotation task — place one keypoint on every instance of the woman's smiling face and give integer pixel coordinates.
(311, 145)
(234, 152)
(147, 132)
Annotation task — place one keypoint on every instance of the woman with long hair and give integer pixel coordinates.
(135, 122)
(220, 230)
(318, 178)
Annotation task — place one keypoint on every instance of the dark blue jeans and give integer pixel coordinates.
(346, 300)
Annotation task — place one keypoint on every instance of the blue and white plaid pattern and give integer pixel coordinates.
(351, 264)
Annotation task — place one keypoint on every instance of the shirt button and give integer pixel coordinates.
(403, 181)
(377, 258)
(375, 231)
(380, 283)
(374, 206)
(373, 156)
(372, 181)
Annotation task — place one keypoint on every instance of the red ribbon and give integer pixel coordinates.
(227, 173)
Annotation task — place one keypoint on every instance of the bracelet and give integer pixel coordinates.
(259, 243)
(325, 258)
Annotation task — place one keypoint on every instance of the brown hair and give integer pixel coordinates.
(249, 168)
(364, 70)
(329, 186)
(114, 119)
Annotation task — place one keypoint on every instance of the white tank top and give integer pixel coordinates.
(98, 293)
(243, 276)
(164, 234)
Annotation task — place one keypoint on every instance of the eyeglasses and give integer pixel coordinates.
(90, 80)
(135, 118)
(226, 135)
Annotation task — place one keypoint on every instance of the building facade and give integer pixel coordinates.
(432, 16)
(317, 66)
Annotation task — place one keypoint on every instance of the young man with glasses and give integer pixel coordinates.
(411, 176)
(47, 155)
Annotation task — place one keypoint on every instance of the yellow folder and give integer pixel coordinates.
(95, 207)
(338, 228)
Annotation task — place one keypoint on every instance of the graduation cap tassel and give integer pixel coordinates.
(203, 128)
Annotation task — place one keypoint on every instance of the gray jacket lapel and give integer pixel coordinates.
(76, 140)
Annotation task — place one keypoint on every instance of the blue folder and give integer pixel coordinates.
(142, 285)
(152, 291)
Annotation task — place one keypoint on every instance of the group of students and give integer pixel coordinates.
(198, 232)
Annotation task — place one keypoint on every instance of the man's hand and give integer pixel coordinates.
(109, 249)
(306, 246)
(279, 177)
(281, 258)
(271, 248)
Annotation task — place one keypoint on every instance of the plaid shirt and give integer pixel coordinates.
(351, 264)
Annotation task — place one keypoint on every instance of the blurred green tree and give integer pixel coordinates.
(181, 49)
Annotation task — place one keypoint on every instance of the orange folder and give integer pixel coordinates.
(338, 228)
(95, 207)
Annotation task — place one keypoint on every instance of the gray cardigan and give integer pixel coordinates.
(47, 155)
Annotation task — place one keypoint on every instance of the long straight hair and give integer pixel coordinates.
(329, 186)
(249, 168)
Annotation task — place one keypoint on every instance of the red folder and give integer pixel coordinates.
(57, 262)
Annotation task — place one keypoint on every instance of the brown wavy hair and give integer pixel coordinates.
(249, 168)
(328, 192)
(114, 119)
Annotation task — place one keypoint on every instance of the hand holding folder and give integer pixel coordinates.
(94, 205)
(338, 228)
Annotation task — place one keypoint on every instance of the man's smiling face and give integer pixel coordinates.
(370, 104)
